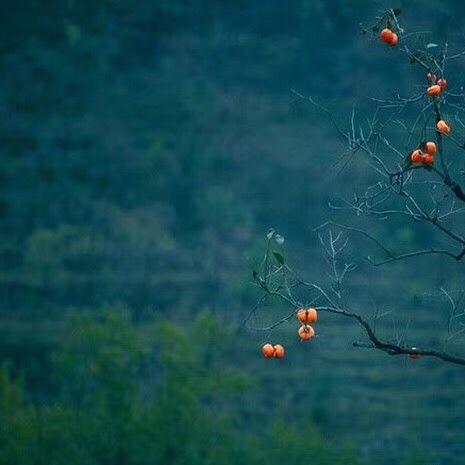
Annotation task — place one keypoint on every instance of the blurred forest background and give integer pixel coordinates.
(146, 148)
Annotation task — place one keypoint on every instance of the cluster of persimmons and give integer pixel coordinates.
(437, 87)
(426, 154)
(306, 316)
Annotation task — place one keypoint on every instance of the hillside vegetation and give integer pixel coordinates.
(146, 150)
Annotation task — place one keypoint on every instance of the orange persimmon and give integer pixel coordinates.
(268, 351)
(431, 148)
(417, 156)
(394, 40)
(307, 315)
(279, 351)
(443, 127)
(386, 35)
(431, 77)
(414, 356)
(306, 332)
(428, 160)
(442, 83)
(434, 90)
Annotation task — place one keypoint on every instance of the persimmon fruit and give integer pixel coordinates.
(386, 35)
(443, 127)
(414, 356)
(394, 40)
(434, 90)
(431, 148)
(268, 351)
(442, 83)
(417, 156)
(279, 351)
(431, 78)
(429, 159)
(306, 332)
(307, 315)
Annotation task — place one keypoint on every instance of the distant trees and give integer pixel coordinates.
(159, 394)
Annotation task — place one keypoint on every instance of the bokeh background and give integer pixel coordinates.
(146, 149)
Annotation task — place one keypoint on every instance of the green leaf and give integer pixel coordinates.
(279, 258)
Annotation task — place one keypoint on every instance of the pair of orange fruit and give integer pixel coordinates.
(273, 351)
(389, 37)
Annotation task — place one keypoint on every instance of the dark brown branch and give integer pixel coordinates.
(456, 189)
(377, 343)
(391, 348)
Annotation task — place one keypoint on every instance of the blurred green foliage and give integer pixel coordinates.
(146, 149)
(141, 395)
